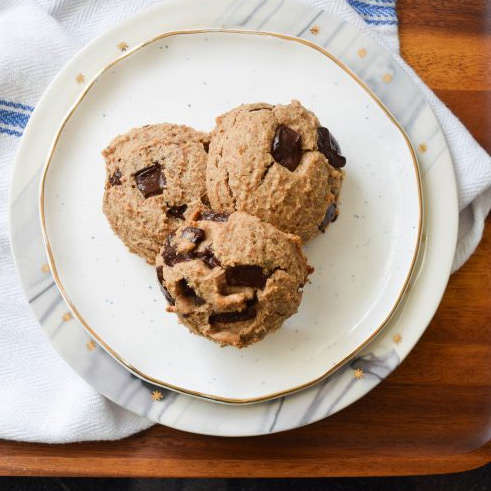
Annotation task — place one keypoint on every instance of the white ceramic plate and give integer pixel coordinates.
(385, 76)
(362, 264)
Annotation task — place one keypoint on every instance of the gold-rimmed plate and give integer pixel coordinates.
(362, 264)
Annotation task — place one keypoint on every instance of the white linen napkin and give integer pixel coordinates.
(41, 398)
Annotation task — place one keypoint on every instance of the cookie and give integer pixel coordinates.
(155, 178)
(232, 278)
(277, 163)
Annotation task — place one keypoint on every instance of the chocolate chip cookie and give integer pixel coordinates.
(231, 278)
(277, 163)
(155, 178)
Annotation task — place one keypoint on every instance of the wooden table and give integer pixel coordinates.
(433, 414)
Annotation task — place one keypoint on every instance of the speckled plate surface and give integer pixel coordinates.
(362, 264)
(394, 88)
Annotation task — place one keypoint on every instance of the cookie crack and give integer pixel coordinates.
(182, 170)
(235, 118)
(278, 268)
(260, 109)
(230, 192)
(265, 173)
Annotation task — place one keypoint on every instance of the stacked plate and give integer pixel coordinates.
(380, 270)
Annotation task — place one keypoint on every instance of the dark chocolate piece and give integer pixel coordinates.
(181, 258)
(150, 180)
(176, 211)
(209, 258)
(170, 255)
(115, 179)
(252, 301)
(160, 275)
(193, 234)
(229, 317)
(329, 217)
(167, 295)
(213, 216)
(163, 289)
(286, 148)
(169, 252)
(246, 275)
(329, 146)
(188, 292)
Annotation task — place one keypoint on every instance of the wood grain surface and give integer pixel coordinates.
(433, 414)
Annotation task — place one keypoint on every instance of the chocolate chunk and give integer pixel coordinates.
(188, 292)
(170, 255)
(213, 216)
(247, 275)
(164, 290)
(252, 301)
(287, 147)
(150, 180)
(169, 252)
(335, 144)
(206, 146)
(329, 146)
(179, 258)
(176, 211)
(209, 258)
(167, 295)
(160, 275)
(329, 217)
(228, 317)
(115, 179)
(193, 234)
(185, 289)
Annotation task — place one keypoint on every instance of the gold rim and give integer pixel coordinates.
(108, 348)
